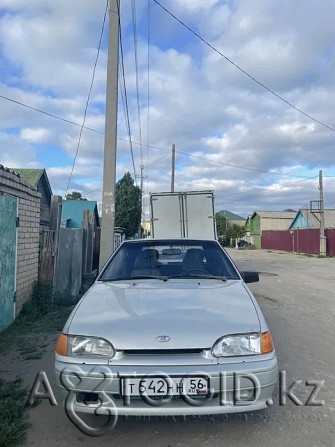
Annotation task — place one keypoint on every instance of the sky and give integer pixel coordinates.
(231, 134)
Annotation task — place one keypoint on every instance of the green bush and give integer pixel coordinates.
(41, 301)
(64, 300)
(13, 411)
(44, 300)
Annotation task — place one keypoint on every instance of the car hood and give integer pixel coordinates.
(193, 313)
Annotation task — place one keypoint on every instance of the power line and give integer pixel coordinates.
(282, 186)
(50, 114)
(242, 70)
(88, 97)
(146, 166)
(126, 100)
(94, 190)
(235, 166)
(133, 11)
(285, 185)
(221, 163)
(156, 147)
(258, 189)
(162, 148)
(77, 124)
(145, 145)
(124, 104)
(156, 161)
(148, 72)
(148, 98)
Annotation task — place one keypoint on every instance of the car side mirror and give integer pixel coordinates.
(250, 277)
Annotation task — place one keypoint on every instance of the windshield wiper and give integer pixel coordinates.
(221, 278)
(163, 278)
(130, 278)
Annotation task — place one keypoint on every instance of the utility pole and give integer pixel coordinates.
(173, 166)
(323, 250)
(141, 177)
(109, 171)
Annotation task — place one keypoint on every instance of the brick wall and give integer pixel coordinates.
(28, 232)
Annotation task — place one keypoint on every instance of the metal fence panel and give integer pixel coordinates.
(68, 273)
(299, 240)
(8, 245)
(330, 235)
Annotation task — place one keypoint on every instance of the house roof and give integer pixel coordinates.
(230, 216)
(329, 218)
(314, 218)
(275, 214)
(3, 168)
(72, 210)
(33, 176)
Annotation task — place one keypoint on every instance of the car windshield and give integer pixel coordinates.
(166, 259)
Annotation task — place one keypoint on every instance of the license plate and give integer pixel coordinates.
(156, 386)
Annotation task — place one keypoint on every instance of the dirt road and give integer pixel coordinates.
(297, 296)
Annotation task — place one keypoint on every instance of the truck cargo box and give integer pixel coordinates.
(183, 214)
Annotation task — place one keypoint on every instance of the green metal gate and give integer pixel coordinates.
(8, 241)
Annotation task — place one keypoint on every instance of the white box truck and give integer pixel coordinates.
(183, 214)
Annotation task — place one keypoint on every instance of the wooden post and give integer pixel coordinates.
(173, 166)
(109, 173)
(85, 225)
(55, 223)
(323, 249)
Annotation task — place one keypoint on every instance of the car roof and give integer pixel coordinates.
(174, 239)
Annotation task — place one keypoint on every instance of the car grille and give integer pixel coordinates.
(163, 351)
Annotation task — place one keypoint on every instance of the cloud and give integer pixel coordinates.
(15, 153)
(52, 47)
(38, 135)
(241, 141)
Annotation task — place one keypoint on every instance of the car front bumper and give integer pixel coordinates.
(105, 381)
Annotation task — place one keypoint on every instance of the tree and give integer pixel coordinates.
(128, 205)
(221, 224)
(75, 195)
(226, 231)
(235, 231)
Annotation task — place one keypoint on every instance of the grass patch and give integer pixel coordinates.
(18, 337)
(45, 312)
(13, 412)
(43, 301)
(31, 348)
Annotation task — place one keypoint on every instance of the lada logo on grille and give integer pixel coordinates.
(163, 338)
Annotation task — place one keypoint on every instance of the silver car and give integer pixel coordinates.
(168, 328)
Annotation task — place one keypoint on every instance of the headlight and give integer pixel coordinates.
(81, 346)
(236, 345)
